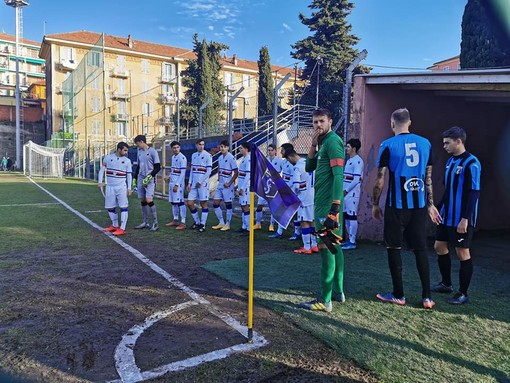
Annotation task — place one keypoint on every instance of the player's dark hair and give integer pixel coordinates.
(140, 137)
(122, 145)
(290, 153)
(199, 141)
(173, 143)
(287, 146)
(225, 143)
(401, 116)
(355, 143)
(455, 132)
(246, 145)
(321, 112)
(273, 146)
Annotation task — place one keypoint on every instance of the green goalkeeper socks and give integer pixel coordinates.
(332, 273)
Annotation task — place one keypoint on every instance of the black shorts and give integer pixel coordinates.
(449, 234)
(408, 224)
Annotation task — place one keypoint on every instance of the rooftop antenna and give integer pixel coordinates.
(17, 5)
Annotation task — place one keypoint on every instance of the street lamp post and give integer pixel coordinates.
(17, 5)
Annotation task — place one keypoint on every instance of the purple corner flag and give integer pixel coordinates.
(267, 183)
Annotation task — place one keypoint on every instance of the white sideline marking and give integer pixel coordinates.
(30, 204)
(128, 366)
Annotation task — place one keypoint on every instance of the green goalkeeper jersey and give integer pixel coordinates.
(329, 171)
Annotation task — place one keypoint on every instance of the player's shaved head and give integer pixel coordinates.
(401, 116)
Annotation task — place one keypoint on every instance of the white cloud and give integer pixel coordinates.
(287, 27)
(210, 27)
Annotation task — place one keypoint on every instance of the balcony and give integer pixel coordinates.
(118, 117)
(6, 50)
(168, 98)
(67, 113)
(167, 79)
(116, 95)
(66, 65)
(120, 73)
(166, 121)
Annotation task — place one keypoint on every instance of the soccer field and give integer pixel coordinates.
(78, 305)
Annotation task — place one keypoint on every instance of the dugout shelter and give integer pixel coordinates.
(476, 100)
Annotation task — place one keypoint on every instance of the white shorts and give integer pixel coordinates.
(200, 194)
(245, 198)
(115, 196)
(145, 192)
(224, 194)
(351, 205)
(305, 213)
(176, 197)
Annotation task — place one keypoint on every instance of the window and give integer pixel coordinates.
(145, 86)
(95, 83)
(121, 86)
(167, 71)
(168, 111)
(446, 68)
(120, 128)
(121, 61)
(229, 78)
(167, 89)
(145, 66)
(94, 59)
(96, 104)
(67, 53)
(146, 109)
(247, 81)
(122, 107)
(96, 127)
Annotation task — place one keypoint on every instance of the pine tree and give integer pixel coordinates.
(202, 81)
(331, 44)
(266, 84)
(485, 42)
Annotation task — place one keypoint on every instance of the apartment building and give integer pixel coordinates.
(31, 67)
(449, 64)
(136, 90)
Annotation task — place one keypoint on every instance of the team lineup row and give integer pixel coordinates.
(324, 184)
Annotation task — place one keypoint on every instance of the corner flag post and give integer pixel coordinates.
(251, 257)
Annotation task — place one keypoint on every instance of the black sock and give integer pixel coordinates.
(395, 263)
(422, 264)
(445, 268)
(465, 273)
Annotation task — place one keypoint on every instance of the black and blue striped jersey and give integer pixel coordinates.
(406, 156)
(462, 175)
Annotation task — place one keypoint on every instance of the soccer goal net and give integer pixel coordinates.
(41, 161)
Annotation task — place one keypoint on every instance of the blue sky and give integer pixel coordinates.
(396, 33)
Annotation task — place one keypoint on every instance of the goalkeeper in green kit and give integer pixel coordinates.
(148, 166)
(328, 164)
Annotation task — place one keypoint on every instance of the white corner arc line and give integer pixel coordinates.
(258, 340)
(124, 353)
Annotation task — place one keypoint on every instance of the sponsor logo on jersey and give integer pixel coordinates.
(458, 170)
(414, 184)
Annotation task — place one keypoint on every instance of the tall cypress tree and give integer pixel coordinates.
(485, 41)
(332, 42)
(202, 81)
(266, 84)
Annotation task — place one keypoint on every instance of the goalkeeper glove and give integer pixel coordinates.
(331, 222)
(146, 180)
(330, 239)
(133, 183)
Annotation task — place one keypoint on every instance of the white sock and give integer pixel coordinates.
(229, 216)
(182, 210)
(258, 217)
(306, 241)
(175, 210)
(114, 217)
(123, 219)
(219, 214)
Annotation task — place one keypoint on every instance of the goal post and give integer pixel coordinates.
(42, 161)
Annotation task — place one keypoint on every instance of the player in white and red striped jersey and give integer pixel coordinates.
(243, 187)
(227, 174)
(176, 185)
(353, 176)
(303, 186)
(117, 168)
(198, 184)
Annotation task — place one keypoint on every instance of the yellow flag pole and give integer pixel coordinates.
(250, 268)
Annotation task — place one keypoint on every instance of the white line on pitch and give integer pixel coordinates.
(258, 340)
(30, 204)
